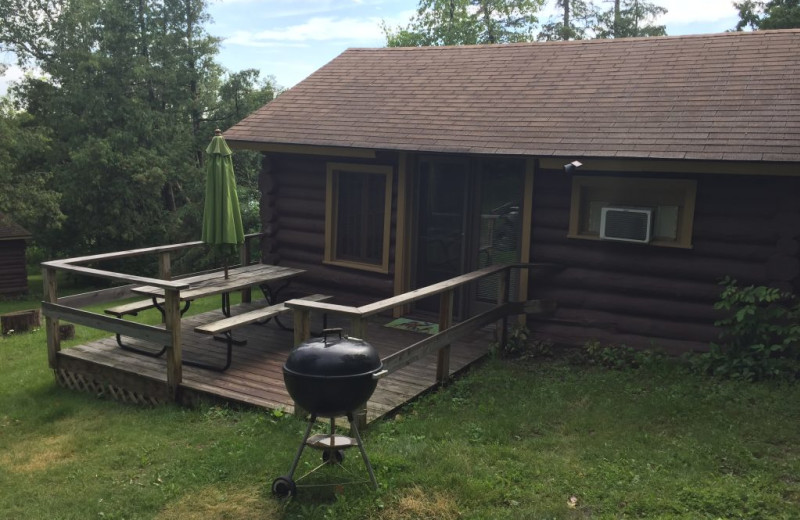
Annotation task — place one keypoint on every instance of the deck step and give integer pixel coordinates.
(252, 316)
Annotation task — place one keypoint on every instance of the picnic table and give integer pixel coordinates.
(271, 279)
(264, 276)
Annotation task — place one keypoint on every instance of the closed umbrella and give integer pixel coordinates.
(222, 218)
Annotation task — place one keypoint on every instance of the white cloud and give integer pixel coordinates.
(355, 31)
(696, 11)
(11, 75)
(297, 8)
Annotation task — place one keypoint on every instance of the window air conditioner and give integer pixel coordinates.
(626, 224)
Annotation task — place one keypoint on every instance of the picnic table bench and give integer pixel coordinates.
(133, 309)
(253, 313)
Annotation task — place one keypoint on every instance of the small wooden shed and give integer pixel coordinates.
(13, 272)
(647, 168)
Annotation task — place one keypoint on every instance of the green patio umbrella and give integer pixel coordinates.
(222, 218)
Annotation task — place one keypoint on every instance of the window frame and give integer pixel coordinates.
(331, 214)
(649, 192)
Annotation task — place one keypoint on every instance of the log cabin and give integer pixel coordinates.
(13, 272)
(646, 169)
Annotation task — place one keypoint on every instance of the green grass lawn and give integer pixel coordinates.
(508, 440)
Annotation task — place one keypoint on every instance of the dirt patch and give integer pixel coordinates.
(221, 503)
(418, 504)
(30, 457)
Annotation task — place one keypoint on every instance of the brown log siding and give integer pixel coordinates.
(746, 227)
(293, 214)
(646, 296)
(13, 273)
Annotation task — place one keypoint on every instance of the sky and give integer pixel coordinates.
(290, 39)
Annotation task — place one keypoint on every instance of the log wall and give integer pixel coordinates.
(293, 217)
(13, 273)
(647, 296)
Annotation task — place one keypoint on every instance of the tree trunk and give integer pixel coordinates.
(20, 321)
(487, 19)
(66, 331)
(616, 18)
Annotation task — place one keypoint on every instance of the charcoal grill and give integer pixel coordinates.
(331, 376)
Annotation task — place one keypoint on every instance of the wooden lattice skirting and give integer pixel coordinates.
(85, 383)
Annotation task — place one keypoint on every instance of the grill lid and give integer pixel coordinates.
(333, 355)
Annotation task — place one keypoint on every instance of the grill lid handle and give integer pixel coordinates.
(325, 333)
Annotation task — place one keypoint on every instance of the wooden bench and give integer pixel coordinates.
(132, 308)
(227, 325)
(135, 308)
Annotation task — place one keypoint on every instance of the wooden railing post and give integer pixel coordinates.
(445, 322)
(173, 324)
(502, 297)
(51, 324)
(302, 331)
(302, 325)
(165, 265)
(244, 257)
(358, 329)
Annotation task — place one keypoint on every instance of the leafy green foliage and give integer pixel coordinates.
(116, 121)
(630, 19)
(520, 345)
(618, 357)
(760, 336)
(27, 192)
(772, 14)
(467, 22)
(576, 23)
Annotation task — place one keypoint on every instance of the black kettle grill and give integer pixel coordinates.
(330, 376)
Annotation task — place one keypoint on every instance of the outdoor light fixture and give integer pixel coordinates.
(571, 167)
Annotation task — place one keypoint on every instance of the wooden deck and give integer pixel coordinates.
(255, 376)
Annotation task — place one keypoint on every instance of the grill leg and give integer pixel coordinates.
(302, 446)
(354, 429)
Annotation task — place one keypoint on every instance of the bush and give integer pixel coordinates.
(618, 357)
(519, 344)
(760, 336)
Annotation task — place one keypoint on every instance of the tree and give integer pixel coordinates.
(27, 194)
(629, 19)
(774, 14)
(467, 22)
(126, 89)
(578, 18)
(240, 94)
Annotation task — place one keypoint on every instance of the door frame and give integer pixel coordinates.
(415, 206)
(407, 220)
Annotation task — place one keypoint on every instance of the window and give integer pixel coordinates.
(358, 215)
(671, 201)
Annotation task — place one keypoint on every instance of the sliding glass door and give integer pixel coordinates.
(468, 216)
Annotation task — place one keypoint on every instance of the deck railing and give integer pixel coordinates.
(55, 308)
(448, 332)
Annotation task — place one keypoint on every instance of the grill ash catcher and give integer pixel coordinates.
(331, 376)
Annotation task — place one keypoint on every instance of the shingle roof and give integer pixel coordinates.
(732, 96)
(10, 230)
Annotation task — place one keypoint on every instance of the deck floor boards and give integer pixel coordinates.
(255, 376)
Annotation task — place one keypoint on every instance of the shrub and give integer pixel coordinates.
(519, 344)
(618, 357)
(760, 336)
